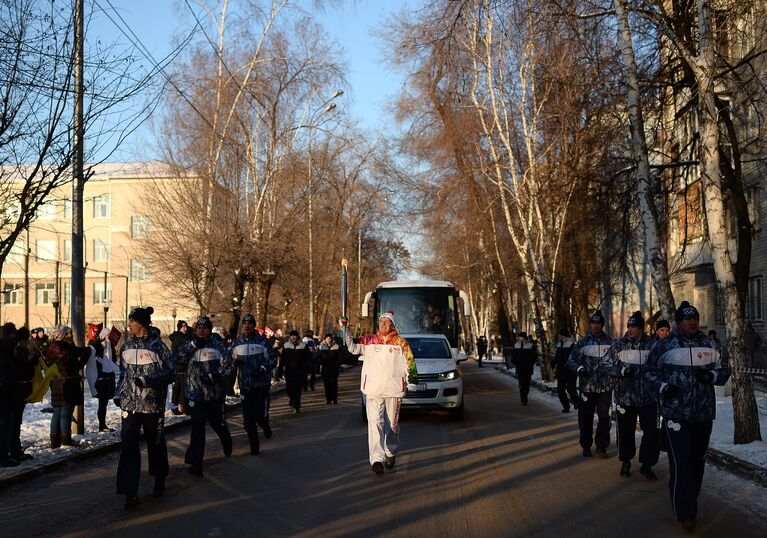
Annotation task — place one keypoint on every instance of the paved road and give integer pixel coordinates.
(506, 470)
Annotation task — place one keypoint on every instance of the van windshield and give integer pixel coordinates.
(429, 348)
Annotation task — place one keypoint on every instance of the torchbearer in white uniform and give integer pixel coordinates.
(388, 369)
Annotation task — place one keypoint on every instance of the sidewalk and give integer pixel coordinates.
(748, 461)
(35, 437)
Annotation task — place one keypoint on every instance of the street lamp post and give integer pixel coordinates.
(55, 303)
(328, 106)
(173, 313)
(107, 304)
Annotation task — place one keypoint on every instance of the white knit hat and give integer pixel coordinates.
(388, 315)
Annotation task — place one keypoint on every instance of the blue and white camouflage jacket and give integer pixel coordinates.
(149, 358)
(206, 369)
(588, 353)
(253, 357)
(626, 353)
(674, 360)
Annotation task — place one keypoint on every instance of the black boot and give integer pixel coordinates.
(268, 431)
(626, 468)
(131, 501)
(159, 486)
(389, 464)
(646, 471)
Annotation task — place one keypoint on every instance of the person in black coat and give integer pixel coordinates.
(481, 349)
(8, 392)
(329, 357)
(524, 356)
(178, 338)
(294, 362)
(66, 390)
(25, 371)
(565, 378)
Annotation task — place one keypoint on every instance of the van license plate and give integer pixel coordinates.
(419, 387)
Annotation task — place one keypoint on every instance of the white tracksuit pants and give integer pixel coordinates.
(383, 427)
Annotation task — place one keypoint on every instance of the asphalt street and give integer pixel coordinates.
(505, 470)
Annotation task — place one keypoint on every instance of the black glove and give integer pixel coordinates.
(671, 391)
(208, 379)
(141, 382)
(629, 371)
(117, 402)
(582, 372)
(704, 376)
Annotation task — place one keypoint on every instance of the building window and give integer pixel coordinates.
(140, 227)
(754, 299)
(45, 250)
(139, 270)
(67, 204)
(101, 250)
(98, 293)
(46, 211)
(13, 294)
(101, 207)
(18, 250)
(44, 292)
(67, 293)
(691, 223)
(67, 254)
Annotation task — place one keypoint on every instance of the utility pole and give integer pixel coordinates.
(78, 272)
(26, 282)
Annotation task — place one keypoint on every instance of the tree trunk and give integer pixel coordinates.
(743, 402)
(645, 183)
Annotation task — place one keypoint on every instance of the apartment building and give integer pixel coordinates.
(117, 225)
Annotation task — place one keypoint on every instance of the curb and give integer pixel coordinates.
(87, 454)
(732, 464)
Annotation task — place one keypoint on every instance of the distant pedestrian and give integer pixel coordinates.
(294, 363)
(206, 362)
(253, 357)
(25, 371)
(684, 368)
(635, 398)
(103, 376)
(329, 358)
(389, 368)
(66, 389)
(481, 349)
(565, 378)
(662, 328)
(181, 336)
(524, 355)
(596, 386)
(311, 367)
(8, 392)
(146, 370)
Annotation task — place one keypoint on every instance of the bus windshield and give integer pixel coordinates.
(426, 310)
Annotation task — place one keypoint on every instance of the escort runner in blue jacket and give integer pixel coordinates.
(206, 362)
(635, 397)
(253, 357)
(595, 384)
(146, 370)
(684, 367)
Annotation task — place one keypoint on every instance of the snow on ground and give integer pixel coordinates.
(722, 434)
(35, 432)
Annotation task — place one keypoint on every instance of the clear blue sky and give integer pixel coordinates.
(351, 24)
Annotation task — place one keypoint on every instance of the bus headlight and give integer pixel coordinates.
(447, 376)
